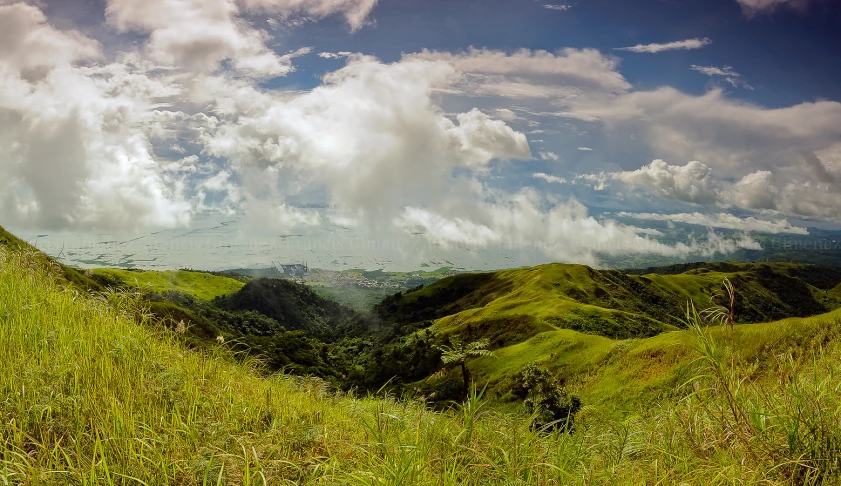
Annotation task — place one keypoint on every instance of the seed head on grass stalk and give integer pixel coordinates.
(722, 314)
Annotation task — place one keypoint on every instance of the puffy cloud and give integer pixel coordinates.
(531, 74)
(74, 150)
(687, 44)
(757, 190)
(585, 149)
(691, 182)
(198, 35)
(554, 6)
(547, 155)
(813, 192)
(722, 220)
(371, 135)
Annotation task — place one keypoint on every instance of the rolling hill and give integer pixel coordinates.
(202, 285)
(608, 302)
(91, 392)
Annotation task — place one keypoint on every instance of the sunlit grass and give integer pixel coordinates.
(198, 284)
(93, 393)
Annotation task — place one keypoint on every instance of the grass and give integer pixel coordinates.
(92, 392)
(198, 284)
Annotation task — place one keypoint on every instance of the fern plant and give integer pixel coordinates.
(457, 353)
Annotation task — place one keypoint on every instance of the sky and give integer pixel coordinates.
(567, 129)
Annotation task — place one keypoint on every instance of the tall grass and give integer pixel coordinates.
(91, 392)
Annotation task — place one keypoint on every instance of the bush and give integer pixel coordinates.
(549, 404)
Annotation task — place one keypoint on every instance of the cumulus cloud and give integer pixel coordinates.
(555, 6)
(687, 44)
(198, 35)
(813, 191)
(371, 135)
(585, 149)
(724, 221)
(547, 155)
(691, 182)
(74, 152)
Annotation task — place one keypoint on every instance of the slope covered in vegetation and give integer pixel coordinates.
(66, 274)
(197, 284)
(91, 392)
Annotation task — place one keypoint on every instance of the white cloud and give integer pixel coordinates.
(727, 72)
(547, 155)
(371, 135)
(814, 192)
(731, 136)
(446, 231)
(564, 231)
(549, 178)
(75, 152)
(687, 44)
(585, 149)
(198, 35)
(752, 7)
(691, 182)
(356, 12)
(724, 221)
(526, 74)
(334, 55)
(553, 6)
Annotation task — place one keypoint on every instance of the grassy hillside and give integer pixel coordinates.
(608, 302)
(92, 394)
(198, 284)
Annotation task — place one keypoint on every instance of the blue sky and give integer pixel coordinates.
(567, 128)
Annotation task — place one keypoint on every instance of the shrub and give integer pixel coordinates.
(550, 406)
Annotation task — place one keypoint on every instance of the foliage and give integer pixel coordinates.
(549, 405)
(457, 354)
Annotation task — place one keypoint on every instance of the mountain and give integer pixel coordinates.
(94, 392)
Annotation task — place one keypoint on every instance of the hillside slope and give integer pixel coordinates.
(90, 394)
(66, 274)
(197, 284)
(607, 302)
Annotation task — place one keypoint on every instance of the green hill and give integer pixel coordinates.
(68, 275)
(93, 393)
(292, 305)
(609, 302)
(198, 284)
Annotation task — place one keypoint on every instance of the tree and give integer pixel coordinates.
(457, 354)
(550, 405)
